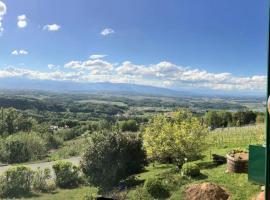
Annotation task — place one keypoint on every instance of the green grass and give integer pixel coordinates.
(219, 142)
(65, 194)
(237, 136)
(236, 184)
(69, 149)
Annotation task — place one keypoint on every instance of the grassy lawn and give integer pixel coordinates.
(237, 184)
(61, 194)
(220, 142)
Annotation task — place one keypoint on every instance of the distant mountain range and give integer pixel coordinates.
(73, 87)
(107, 87)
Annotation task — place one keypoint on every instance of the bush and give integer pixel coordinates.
(190, 169)
(42, 181)
(156, 188)
(71, 133)
(23, 147)
(140, 194)
(171, 139)
(67, 174)
(53, 141)
(112, 157)
(130, 125)
(16, 182)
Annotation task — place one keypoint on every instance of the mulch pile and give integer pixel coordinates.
(206, 191)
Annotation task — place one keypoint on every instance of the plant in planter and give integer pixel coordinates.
(237, 161)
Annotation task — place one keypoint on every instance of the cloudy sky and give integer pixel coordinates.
(180, 44)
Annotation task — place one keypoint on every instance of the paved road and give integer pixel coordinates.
(41, 165)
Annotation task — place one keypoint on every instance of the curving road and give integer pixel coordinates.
(41, 165)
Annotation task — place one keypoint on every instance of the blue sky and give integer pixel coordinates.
(180, 44)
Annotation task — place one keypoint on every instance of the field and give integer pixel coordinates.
(220, 142)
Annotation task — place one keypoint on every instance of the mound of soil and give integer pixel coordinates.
(209, 191)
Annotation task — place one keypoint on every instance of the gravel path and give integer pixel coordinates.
(41, 165)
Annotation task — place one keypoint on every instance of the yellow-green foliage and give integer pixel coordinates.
(174, 138)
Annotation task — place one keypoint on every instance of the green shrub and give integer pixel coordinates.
(16, 182)
(156, 188)
(171, 139)
(71, 133)
(112, 157)
(91, 195)
(42, 181)
(23, 147)
(67, 174)
(53, 141)
(190, 169)
(130, 125)
(140, 194)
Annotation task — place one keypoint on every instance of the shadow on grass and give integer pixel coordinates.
(207, 165)
(200, 177)
(23, 196)
(132, 182)
(162, 167)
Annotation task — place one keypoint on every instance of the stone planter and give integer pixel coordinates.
(237, 163)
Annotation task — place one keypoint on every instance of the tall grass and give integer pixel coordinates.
(234, 137)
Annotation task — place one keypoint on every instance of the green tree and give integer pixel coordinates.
(225, 118)
(212, 119)
(10, 118)
(130, 125)
(22, 147)
(25, 124)
(241, 118)
(176, 138)
(112, 157)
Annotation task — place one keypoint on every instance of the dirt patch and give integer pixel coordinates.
(209, 191)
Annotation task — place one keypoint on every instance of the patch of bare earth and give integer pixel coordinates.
(203, 191)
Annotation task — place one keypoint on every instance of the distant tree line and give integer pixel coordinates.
(217, 119)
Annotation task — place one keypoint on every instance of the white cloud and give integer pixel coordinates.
(52, 27)
(3, 8)
(163, 74)
(107, 31)
(33, 74)
(96, 66)
(19, 52)
(51, 66)
(22, 21)
(97, 56)
(15, 52)
(170, 75)
(3, 11)
(73, 65)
